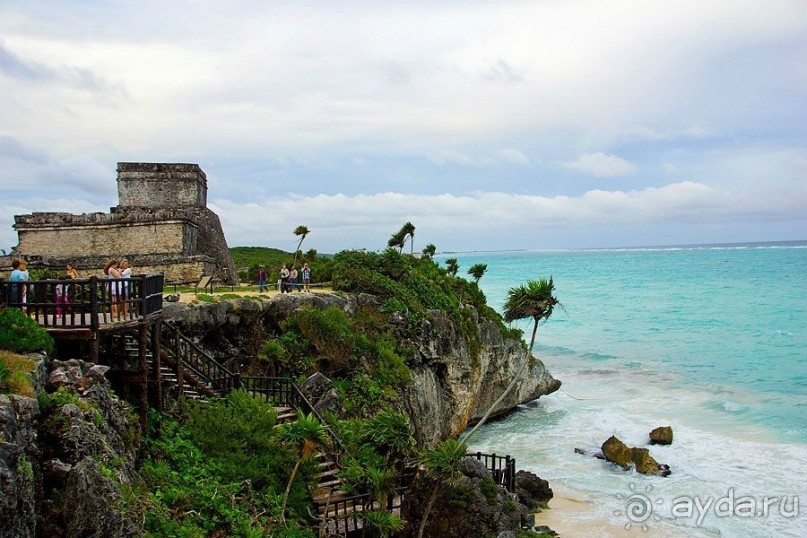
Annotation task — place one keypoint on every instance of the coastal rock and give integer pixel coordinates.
(617, 452)
(663, 435)
(645, 463)
(472, 505)
(533, 491)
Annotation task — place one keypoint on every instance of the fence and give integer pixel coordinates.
(85, 303)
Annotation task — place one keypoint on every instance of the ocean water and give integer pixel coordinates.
(711, 340)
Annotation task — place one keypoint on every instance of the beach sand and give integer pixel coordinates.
(573, 517)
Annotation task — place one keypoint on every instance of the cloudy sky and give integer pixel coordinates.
(487, 124)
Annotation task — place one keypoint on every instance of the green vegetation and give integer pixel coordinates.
(15, 374)
(222, 470)
(21, 334)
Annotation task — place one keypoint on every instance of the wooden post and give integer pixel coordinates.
(155, 353)
(94, 303)
(142, 347)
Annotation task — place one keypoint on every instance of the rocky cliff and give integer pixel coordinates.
(67, 457)
(455, 379)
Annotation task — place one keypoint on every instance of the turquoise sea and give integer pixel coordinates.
(709, 339)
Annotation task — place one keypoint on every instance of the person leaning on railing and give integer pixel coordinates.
(19, 274)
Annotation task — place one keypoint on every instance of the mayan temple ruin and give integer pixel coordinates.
(161, 225)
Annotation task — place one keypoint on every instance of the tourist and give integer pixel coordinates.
(19, 273)
(293, 279)
(111, 272)
(125, 272)
(262, 280)
(71, 272)
(62, 294)
(284, 278)
(306, 277)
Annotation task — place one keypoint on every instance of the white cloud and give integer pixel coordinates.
(601, 165)
(514, 156)
(478, 220)
(670, 169)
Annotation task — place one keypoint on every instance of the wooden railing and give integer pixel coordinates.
(283, 391)
(85, 303)
(345, 514)
(188, 354)
(503, 469)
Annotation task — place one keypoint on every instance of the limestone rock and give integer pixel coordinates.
(470, 506)
(533, 491)
(315, 386)
(92, 505)
(645, 463)
(617, 452)
(663, 435)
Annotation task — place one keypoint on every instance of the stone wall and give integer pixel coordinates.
(161, 185)
(109, 240)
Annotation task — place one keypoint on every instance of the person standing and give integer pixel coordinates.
(111, 272)
(262, 280)
(18, 274)
(293, 279)
(71, 272)
(63, 294)
(284, 278)
(125, 287)
(306, 277)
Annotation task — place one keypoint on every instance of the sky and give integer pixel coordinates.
(489, 125)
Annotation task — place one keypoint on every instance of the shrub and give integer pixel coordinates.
(21, 334)
(14, 374)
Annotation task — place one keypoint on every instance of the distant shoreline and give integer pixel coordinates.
(693, 246)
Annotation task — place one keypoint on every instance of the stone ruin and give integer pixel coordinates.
(161, 225)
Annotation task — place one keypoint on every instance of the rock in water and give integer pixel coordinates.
(645, 463)
(663, 435)
(617, 452)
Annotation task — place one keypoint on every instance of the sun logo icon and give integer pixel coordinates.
(638, 507)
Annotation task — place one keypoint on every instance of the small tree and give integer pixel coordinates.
(442, 464)
(429, 251)
(452, 266)
(397, 241)
(305, 434)
(300, 231)
(477, 271)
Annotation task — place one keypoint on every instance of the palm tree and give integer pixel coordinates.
(397, 240)
(443, 464)
(391, 434)
(535, 300)
(429, 251)
(408, 229)
(300, 231)
(305, 434)
(452, 266)
(477, 271)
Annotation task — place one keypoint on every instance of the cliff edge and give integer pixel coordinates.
(456, 374)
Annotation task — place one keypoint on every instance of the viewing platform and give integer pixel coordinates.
(84, 309)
